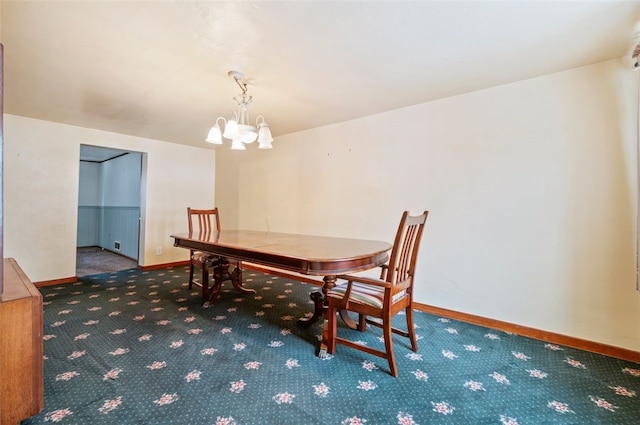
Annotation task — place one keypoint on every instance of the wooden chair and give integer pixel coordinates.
(204, 222)
(381, 298)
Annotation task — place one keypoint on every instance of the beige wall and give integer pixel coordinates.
(531, 187)
(41, 171)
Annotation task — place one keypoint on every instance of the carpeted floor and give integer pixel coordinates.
(137, 347)
(95, 260)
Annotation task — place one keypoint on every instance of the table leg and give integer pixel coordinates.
(236, 280)
(318, 311)
(318, 299)
(214, 292)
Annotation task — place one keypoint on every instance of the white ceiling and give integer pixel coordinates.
(158, 69)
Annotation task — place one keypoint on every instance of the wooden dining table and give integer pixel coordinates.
(309, 255)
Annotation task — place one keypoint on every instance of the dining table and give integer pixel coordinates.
(325, 257)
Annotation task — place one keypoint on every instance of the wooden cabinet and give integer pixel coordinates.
(21, 361)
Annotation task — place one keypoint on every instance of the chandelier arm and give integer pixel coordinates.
(243, 86)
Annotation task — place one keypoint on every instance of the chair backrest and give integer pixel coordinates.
(404, 253)
(204, 219)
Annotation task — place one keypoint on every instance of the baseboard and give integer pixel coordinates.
(164, 265)
(74, 279)
(568, 341)
(55, 282)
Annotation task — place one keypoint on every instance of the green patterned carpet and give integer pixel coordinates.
(136, 347)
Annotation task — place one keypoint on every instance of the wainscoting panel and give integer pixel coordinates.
(88, 226)
(119, 230)
(112, 228)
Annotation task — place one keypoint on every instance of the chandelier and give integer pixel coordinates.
(238, 128)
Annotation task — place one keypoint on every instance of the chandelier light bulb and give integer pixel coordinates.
(264, 135)
(215, 134)
(231, 130)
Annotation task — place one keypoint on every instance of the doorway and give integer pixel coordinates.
(109, 210)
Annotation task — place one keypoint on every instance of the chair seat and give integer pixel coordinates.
(202, 257)
(364, 294)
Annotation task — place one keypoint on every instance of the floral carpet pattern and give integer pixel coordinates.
(137, 347)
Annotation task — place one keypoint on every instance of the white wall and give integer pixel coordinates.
(41, 168)
(531, 189)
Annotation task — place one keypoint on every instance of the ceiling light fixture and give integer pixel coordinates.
(238, 128)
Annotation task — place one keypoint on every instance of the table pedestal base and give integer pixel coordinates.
(318, 312)
(220, 273)
(318, 299)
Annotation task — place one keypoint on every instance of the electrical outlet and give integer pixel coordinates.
(158, 250)
(116, 246)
